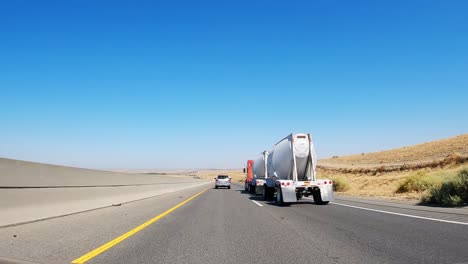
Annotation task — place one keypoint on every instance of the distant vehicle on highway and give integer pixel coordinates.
(222, 181)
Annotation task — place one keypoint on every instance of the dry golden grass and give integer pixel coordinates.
(429, 152)
(384, 185)
(380, 174)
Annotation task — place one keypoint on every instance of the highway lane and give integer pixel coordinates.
(61, 240)
(226, 226)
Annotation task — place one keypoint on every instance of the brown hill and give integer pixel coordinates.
(434, 153)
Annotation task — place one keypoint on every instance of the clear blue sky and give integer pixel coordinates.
(209, 84)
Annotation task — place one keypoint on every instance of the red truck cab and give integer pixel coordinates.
(248, 170)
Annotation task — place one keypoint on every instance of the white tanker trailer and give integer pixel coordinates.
(259, 173)
(291, 172)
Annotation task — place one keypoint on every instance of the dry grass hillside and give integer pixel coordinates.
(425, 153)
(402, 173)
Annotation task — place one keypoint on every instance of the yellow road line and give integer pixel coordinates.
(121, 238)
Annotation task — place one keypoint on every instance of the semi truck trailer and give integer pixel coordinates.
(259, 173)
(291, 172)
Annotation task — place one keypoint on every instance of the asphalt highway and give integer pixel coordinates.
(206, 225)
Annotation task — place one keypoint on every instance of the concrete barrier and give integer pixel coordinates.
(16, 173)
(33, 191)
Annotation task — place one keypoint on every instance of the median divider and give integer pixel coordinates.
(32, 191)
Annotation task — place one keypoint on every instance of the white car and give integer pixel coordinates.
(222, 181)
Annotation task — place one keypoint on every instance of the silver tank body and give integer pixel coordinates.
(260, 165)
(293, 158)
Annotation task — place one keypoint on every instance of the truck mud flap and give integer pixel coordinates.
(326, 192)
(289, 194)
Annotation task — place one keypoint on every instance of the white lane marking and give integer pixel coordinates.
(257, 203)
(407, 215)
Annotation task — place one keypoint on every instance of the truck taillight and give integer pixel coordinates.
(330, 182)
(325, 182)
(288, 183)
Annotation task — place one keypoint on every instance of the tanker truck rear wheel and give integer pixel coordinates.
(270, 193)
(267, 193)
(279, 198)
(318, 198)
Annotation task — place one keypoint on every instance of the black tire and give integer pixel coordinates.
(229, 187)
(246, 188)
(279, 198)
(216, 187)
(318, 198)
(270, 193)
(265, 193)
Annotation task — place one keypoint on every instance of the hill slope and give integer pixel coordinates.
(382, 173)
(429, 152)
